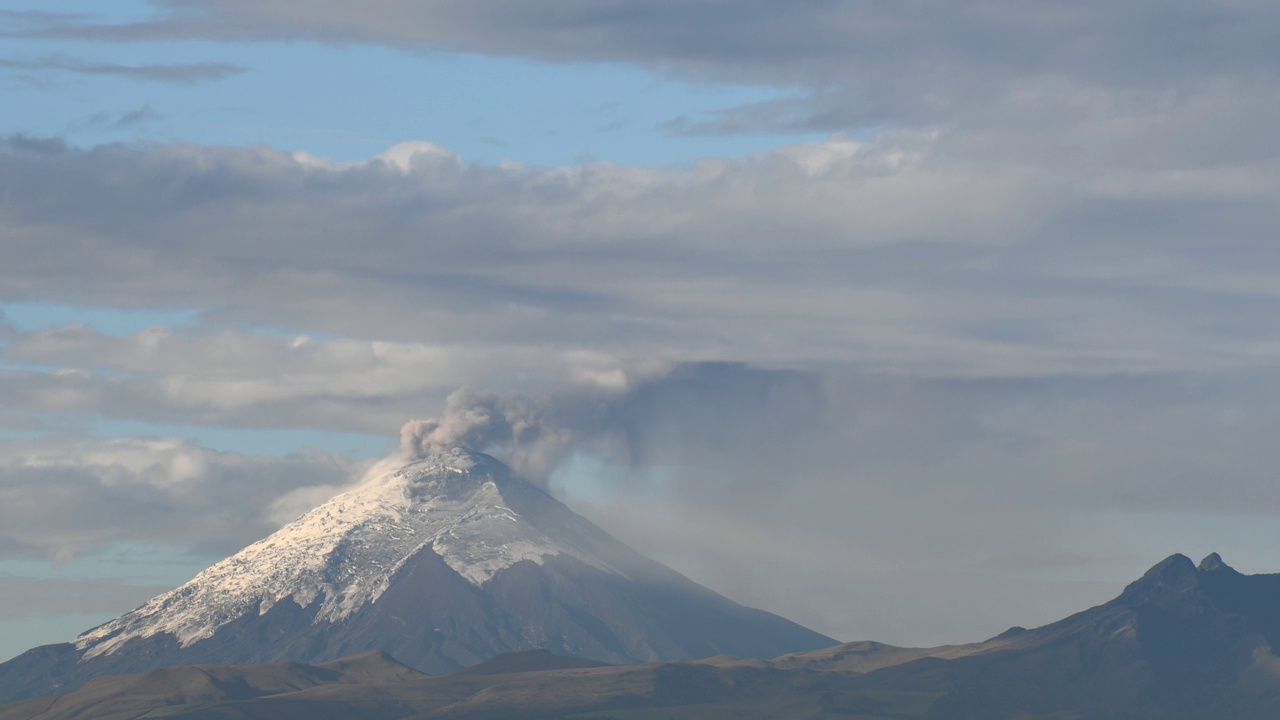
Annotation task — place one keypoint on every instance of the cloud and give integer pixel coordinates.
(888, 63)
(468, 421)
(182, 73)
(121, 121)
(60, 498)
(212, 376)
(515, 427)
(715, 406)
(901, 252)
(740, 425)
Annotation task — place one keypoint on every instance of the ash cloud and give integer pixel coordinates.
(519, 427)
(716, 407)
(528, 433)
(469, 420)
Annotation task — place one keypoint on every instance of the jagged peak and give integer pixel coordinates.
(1174, 574)
(1176, 565)
(1213, 562)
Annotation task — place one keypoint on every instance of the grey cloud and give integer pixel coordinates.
(185, 73)
(61, 498)
(249, 379)
(651, 417)
(808, 253)
(824, 111)
(13, 420)
(116, 121)
(1023, 437)
(527, 433)
(469, 420)
(640, 419)
(143, 114)
(898, 63)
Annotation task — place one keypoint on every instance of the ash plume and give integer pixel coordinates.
(517, 427)
(691, 406)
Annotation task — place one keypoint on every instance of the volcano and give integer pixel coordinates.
(442, 563)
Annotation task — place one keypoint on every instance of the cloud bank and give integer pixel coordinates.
(907, 252)
(60, 499)
(766, 41)
(854, 65)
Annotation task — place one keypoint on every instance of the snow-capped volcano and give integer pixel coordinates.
(441, 563)
(343, 555)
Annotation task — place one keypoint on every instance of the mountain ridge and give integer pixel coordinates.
(1181, 642)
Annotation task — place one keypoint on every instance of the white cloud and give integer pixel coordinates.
(893, 252)
(60, 498)
(238, 378)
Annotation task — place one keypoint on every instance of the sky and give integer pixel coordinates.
(909, 322)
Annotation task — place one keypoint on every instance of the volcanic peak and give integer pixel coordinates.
(345, 553)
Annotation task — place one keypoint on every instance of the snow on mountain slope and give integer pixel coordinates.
(345, 553)
(441, 563)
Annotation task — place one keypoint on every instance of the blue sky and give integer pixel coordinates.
(943, 319)
(349, 102)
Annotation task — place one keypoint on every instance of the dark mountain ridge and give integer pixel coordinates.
(1180, 642)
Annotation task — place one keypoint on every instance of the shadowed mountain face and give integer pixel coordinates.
(1181, 643)
(442, 563)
